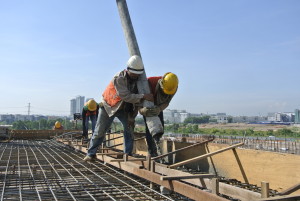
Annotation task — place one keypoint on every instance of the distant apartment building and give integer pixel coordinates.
(178, 116)
(281, 117)
(175, 116)
(72, 106)
(249, 119)
(79, 103)
(8, 118)
(222, 118)
(76, 105)
(297, 116)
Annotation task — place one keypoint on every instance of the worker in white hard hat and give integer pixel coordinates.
(89, 112)
(119, 100)
(163, 89)
(58, 126)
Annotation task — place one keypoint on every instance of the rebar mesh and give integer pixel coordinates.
(31, 170)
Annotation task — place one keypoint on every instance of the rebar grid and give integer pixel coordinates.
(30, 170)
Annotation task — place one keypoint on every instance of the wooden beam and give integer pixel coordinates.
(109, 154)
(204, 156)
(162, 178)
(290, 190)
(240, 165)
(113, 139)
(265, 191)
(124, 160)
(182, 149)
(226, 189)
(281, 198)
(141, 138)
(115, 145)
(215, 186)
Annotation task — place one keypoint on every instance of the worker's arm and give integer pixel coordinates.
(126, 95)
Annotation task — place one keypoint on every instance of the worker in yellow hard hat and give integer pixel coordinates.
(58, 126)
(89, 112)
(163, 89)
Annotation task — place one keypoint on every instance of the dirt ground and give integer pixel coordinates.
(242, 126)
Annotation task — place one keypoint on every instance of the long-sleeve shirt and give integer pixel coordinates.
(126, 89)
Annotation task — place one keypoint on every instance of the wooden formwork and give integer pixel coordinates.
(185, 183)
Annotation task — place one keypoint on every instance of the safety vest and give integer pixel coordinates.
(152, 83)
(110, 95)
(88, 113)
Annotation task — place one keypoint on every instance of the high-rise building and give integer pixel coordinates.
(76, 105)
(297, 116)
(72, 107)
(79, 103)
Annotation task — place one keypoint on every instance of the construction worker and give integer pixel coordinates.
(119, 100)
(163, 89)
(89, 111)
(58, 126)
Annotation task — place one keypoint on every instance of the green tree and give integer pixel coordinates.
(195, 128)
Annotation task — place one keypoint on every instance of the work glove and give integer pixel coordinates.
(149, 112)
(155, 111)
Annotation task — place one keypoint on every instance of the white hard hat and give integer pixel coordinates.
(135, 65)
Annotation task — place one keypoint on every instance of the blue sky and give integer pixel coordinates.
(238, 57)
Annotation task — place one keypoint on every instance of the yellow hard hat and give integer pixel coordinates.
(92, 105)
(57, 124)
(169, 83)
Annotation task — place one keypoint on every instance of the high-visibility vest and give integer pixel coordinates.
(110, 95)
(152, 83)
(88, 113)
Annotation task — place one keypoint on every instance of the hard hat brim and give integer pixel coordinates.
(170, 92)
(135, 71)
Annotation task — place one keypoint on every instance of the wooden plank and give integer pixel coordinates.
(123, 160)
(186, 177)
(226, 189)
(109, 154)
(141, 138)
(215, 186)
(281, 198)
(265, 191)
(290, 190)
(240, 165)
(204, 156)
(182, 149)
